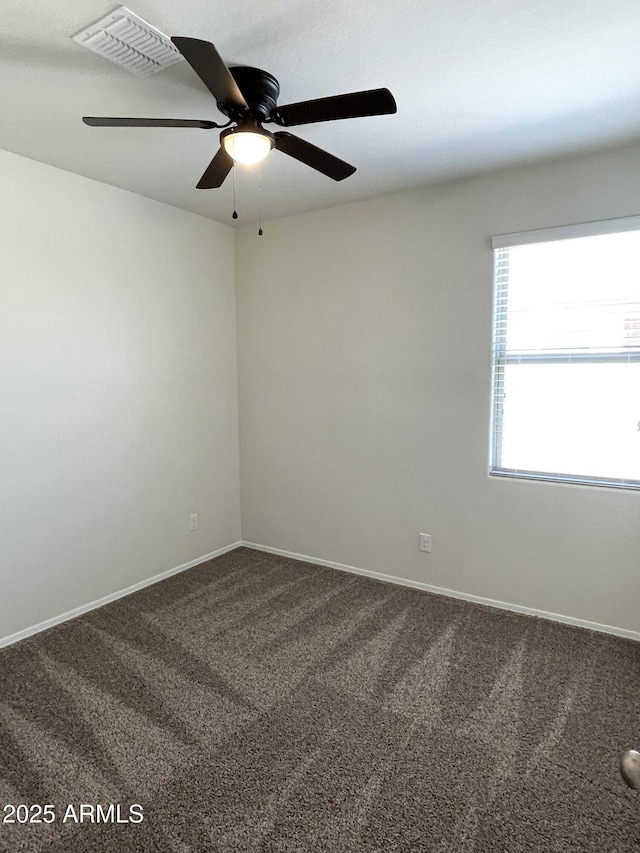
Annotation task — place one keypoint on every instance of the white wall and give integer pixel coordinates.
(361, 420)
(364, 357)
(118, 390)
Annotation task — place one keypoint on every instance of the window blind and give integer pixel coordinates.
(566, 353)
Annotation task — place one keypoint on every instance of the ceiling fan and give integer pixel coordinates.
(248, 97)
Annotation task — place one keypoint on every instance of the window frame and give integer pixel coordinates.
(500, 358)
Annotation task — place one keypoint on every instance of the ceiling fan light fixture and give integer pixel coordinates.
(247, 145)
(248, 97)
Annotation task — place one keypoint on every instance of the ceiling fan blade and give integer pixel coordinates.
(373, 102)
(210, 68)
(216, 172)
(313, 156)
(103, 121)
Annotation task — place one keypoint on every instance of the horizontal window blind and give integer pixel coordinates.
(566, 354)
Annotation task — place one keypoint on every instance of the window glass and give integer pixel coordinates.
(566, 359)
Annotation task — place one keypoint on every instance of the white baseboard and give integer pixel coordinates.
(107, 599)
(476, 599)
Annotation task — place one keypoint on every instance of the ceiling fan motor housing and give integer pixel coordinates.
(259, 88)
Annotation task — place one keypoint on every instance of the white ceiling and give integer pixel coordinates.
(479, 84)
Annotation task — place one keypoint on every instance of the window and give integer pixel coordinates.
(566, 354)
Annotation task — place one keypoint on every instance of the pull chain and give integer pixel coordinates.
(260, 201)
(234, 215)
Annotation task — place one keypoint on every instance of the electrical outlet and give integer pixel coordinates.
(425, 542)
(193, 521)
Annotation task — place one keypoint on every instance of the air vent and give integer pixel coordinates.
(130, 42)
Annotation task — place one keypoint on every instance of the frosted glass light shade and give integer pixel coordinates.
(247, 146)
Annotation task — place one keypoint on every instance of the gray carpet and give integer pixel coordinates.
(259, 704)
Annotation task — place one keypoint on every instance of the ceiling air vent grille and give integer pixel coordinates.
(130, 42)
